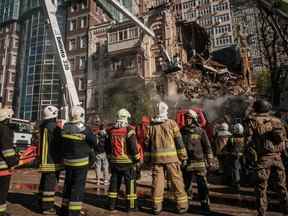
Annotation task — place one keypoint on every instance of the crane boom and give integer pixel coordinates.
(50, 9)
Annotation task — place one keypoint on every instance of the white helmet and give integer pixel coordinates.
(50, 112)
(191, 114)
(123, 115)
(224, 127)
(238, 129)
(78, 114)
(5, 113)
(223, 130)
(162, 109)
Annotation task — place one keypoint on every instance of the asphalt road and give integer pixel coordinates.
(23, 200)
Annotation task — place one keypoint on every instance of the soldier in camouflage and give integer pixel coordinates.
(266, 133)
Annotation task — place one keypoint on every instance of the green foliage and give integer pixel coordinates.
(263, 82)
(137, 102)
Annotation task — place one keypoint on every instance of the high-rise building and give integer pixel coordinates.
(214, 16)
(39, 68)
(9, 43)
(246, 20)
(80, 16)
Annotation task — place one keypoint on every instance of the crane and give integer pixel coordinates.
(173, 64)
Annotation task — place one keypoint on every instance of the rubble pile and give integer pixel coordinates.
(209, 79)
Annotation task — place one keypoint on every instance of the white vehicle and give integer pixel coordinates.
(22, 135)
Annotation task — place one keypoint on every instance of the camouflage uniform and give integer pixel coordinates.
(261, 135)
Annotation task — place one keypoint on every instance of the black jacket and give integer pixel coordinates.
(8, 156)
(50, 148)
(78, 141)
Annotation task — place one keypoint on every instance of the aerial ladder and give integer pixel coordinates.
(71, 96)
(173, 64)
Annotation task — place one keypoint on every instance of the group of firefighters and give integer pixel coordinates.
(174, 154)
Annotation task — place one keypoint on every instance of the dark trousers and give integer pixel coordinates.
(202, 185)
(4, 188)
(118, 173)
(264, 167)
(47, 186)
(74, 189)
(232, 171)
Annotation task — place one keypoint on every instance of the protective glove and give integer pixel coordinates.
(184, 164)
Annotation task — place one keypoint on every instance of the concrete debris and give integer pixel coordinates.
(209, 79)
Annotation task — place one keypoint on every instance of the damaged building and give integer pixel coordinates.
(123, 58)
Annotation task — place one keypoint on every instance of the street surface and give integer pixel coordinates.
(23, 200)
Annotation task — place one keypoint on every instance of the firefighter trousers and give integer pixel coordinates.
(202, 185)
(174, 174)
(118, 173)
(74, 189)
(4, 188)
(47, 186)
(264, 167)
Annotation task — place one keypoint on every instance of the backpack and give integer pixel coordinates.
(269, 129)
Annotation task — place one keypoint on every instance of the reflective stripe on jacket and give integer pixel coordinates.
(164, 143)
(78, 142)
(8, 157)
(50, 150)
(122, 146)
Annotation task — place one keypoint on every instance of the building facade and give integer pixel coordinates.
(9, 44)
(124, 59)
(39, 68)
(80, 16)
(246, 20)
(214, 16)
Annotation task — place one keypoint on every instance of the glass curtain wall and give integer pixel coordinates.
(39, 64)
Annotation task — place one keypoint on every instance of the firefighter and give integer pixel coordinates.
(199, 150)
(8, 159)
(50, 162)
(220, 141)
(164, 150)
(265, 132)
(123, 155)
(233, 154)
(78, 142)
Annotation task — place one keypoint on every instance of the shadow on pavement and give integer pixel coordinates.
(28, 201)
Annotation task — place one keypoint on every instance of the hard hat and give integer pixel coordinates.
(5, 113)
(50, 112)
(161, 109)
(261, 106)
(191, 114)
(223, 130)
(238, 129)
(78, 114)
(123, 115)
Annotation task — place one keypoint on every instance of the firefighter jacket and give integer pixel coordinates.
(78, 142)
(267, 134)
(50, 149)
(122, 146)
(234, 147)
(164, 143)
(197, 145)
(8, 157)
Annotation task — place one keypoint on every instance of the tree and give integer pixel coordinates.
(137, 101)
